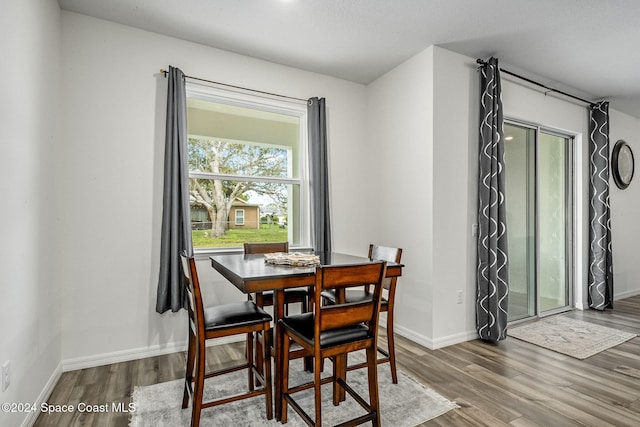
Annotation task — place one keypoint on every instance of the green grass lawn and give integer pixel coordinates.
(236, 237)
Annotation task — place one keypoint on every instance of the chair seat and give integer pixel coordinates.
(302, 325)
(351, 295)
(233, 315)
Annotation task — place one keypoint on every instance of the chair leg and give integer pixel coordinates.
(391, 347)
(372, 367)
(188, 375)
(339, 371)
(309, 300)
(266, 348)
(283, 357)
(259, 352)
(305, 304)
(250, 298)
(198, 388)
(307, 361)
(250, 360)
(317, 386)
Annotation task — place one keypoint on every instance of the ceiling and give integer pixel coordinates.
(589, 48)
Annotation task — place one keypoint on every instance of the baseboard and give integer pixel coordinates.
(43, 396)
(627, 294)
(412, 336)
(455, 339)
(134, 354)
(616, 297)
(432, 344)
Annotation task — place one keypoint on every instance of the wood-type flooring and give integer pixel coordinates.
(512, 383)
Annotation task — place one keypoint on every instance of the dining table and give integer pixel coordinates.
(250, 274)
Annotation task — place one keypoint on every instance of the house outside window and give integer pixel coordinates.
(248, 169)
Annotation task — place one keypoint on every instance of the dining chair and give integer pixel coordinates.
(222, 321)
(291, 296)
(333, 331)
(387, 305)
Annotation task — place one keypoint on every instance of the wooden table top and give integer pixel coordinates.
(250, 273)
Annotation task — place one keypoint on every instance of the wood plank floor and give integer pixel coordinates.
(512, 383)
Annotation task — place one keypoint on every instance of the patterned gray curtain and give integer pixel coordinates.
(600, 289)
(319, 175)
(176, 222)
(492, 275)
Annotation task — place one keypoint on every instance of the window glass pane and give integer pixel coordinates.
(228, 213)
(519, 157)
(238, 158)
(553, 209)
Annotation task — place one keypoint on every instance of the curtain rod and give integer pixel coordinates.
(550, 89)
(165, 72)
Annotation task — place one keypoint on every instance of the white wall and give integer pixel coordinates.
(455, 128)
(111, 178)
(625, 211)
(30, 330)
(422, 119)
(400, 155)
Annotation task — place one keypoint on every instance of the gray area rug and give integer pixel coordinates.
(407, 403)
(572, 337)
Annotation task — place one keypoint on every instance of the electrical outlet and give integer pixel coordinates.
(6, 375)
(459, 296)
(474, 230)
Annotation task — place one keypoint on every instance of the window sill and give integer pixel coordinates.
(200, 254)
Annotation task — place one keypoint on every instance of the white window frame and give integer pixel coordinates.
(269, 104)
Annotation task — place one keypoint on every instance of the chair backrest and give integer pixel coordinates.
(339, 278)
(386, 253)
(266, 248)
(194, 297)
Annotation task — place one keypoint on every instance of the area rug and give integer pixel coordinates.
(569, 336)
(407, 403)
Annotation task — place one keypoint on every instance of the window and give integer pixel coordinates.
(239, 216)
(247, 169)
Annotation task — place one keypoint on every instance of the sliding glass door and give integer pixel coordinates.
(539, 213)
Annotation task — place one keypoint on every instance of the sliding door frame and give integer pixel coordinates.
(569, 225)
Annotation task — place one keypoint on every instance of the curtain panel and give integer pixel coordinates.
(319, 174)
(492, 274)
(600, 288)
(176, 223)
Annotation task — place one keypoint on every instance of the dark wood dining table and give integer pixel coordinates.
(251, 274)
